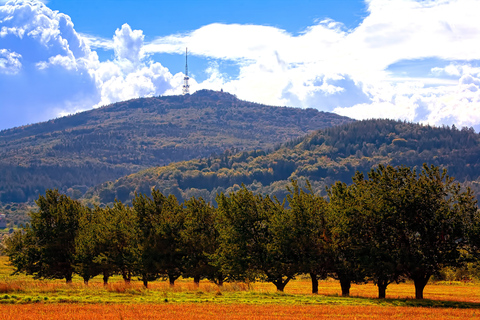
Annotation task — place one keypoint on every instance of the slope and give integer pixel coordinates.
(79, 151)
(323, 157)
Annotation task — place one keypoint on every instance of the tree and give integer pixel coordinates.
(434, 216)
(200, 241)
(169, 223)
(147, 219)
(343, 226)
(304, 232)
(86, 246)
(22, 251)
(46, 247)
(116, 247)
(251, 241)
(378, 223)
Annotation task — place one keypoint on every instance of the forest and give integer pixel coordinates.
(323, 157)
(80, 151)
(391, 224)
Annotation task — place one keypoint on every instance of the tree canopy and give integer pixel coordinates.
(392, 224)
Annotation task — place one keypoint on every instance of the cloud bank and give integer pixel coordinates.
(361, 73)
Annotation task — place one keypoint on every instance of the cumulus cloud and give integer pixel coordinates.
(128, 44)
(130, 74)
(332, 68)
(327, 66)
(45, 64)
(9, 62)
(47, 69)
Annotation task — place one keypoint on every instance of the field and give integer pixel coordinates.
(21, 297)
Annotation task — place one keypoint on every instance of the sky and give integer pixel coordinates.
(417, 61)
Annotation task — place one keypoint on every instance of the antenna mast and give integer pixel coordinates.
(186, 87)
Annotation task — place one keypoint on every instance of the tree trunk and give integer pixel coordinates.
(420, 282)
(126, 277)
(314, 283)
(171, 279)
(382, 289)
(85, 282)
(345, 284)
(105, 278)
(280, 284)
(68, 278)
(145, 281)
(196, 280)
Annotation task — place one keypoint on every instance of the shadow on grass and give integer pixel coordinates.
(410, 302)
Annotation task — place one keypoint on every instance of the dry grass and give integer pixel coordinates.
(21, 297)
(11, 286)
(459, 292)
(219, 311)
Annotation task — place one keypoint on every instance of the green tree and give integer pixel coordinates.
(22, 251)
(304, 232)
(378, 221)
(169, 223)
(86, 245)
(52, 231)
(200, 241)
(434, 216)
(251, 241)
(116, 247)
(343, 225)
(147, 219)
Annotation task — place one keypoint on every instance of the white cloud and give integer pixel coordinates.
(128, 44)
(326, 66)
(331, 68)
(9, 62)
(130, 75)
(63, 73)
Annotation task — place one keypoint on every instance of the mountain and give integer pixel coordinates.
(328, 155)
(76, 152)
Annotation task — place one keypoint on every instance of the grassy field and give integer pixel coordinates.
(21, 297)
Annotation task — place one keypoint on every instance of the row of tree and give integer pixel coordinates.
(393, 225)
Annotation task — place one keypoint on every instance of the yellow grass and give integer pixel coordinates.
(219, 311)
(52, 299)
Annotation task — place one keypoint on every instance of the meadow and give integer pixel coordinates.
(22, 297)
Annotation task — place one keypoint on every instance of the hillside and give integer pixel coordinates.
(77, 152)
(323, 157)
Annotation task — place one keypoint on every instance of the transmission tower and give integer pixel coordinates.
(186, 87)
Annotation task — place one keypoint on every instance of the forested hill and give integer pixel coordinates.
(79, 151)
(323, 157)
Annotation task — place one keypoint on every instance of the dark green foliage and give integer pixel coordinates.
(117, 246)
(200, 241)
(394, 224)
(46, 247)
(168, 225)
(329, 155)
(251, 243)
(343, 225)
(22, 252)
(87, 246)
(304, 232)
(399, 223)
(147, 220)
(83, 150)
(433, 216)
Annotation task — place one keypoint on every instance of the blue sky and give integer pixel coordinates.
(399, 59)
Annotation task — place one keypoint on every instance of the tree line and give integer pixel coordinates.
(393, 224)
(323, 157)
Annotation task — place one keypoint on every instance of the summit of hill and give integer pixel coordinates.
(76, 152)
